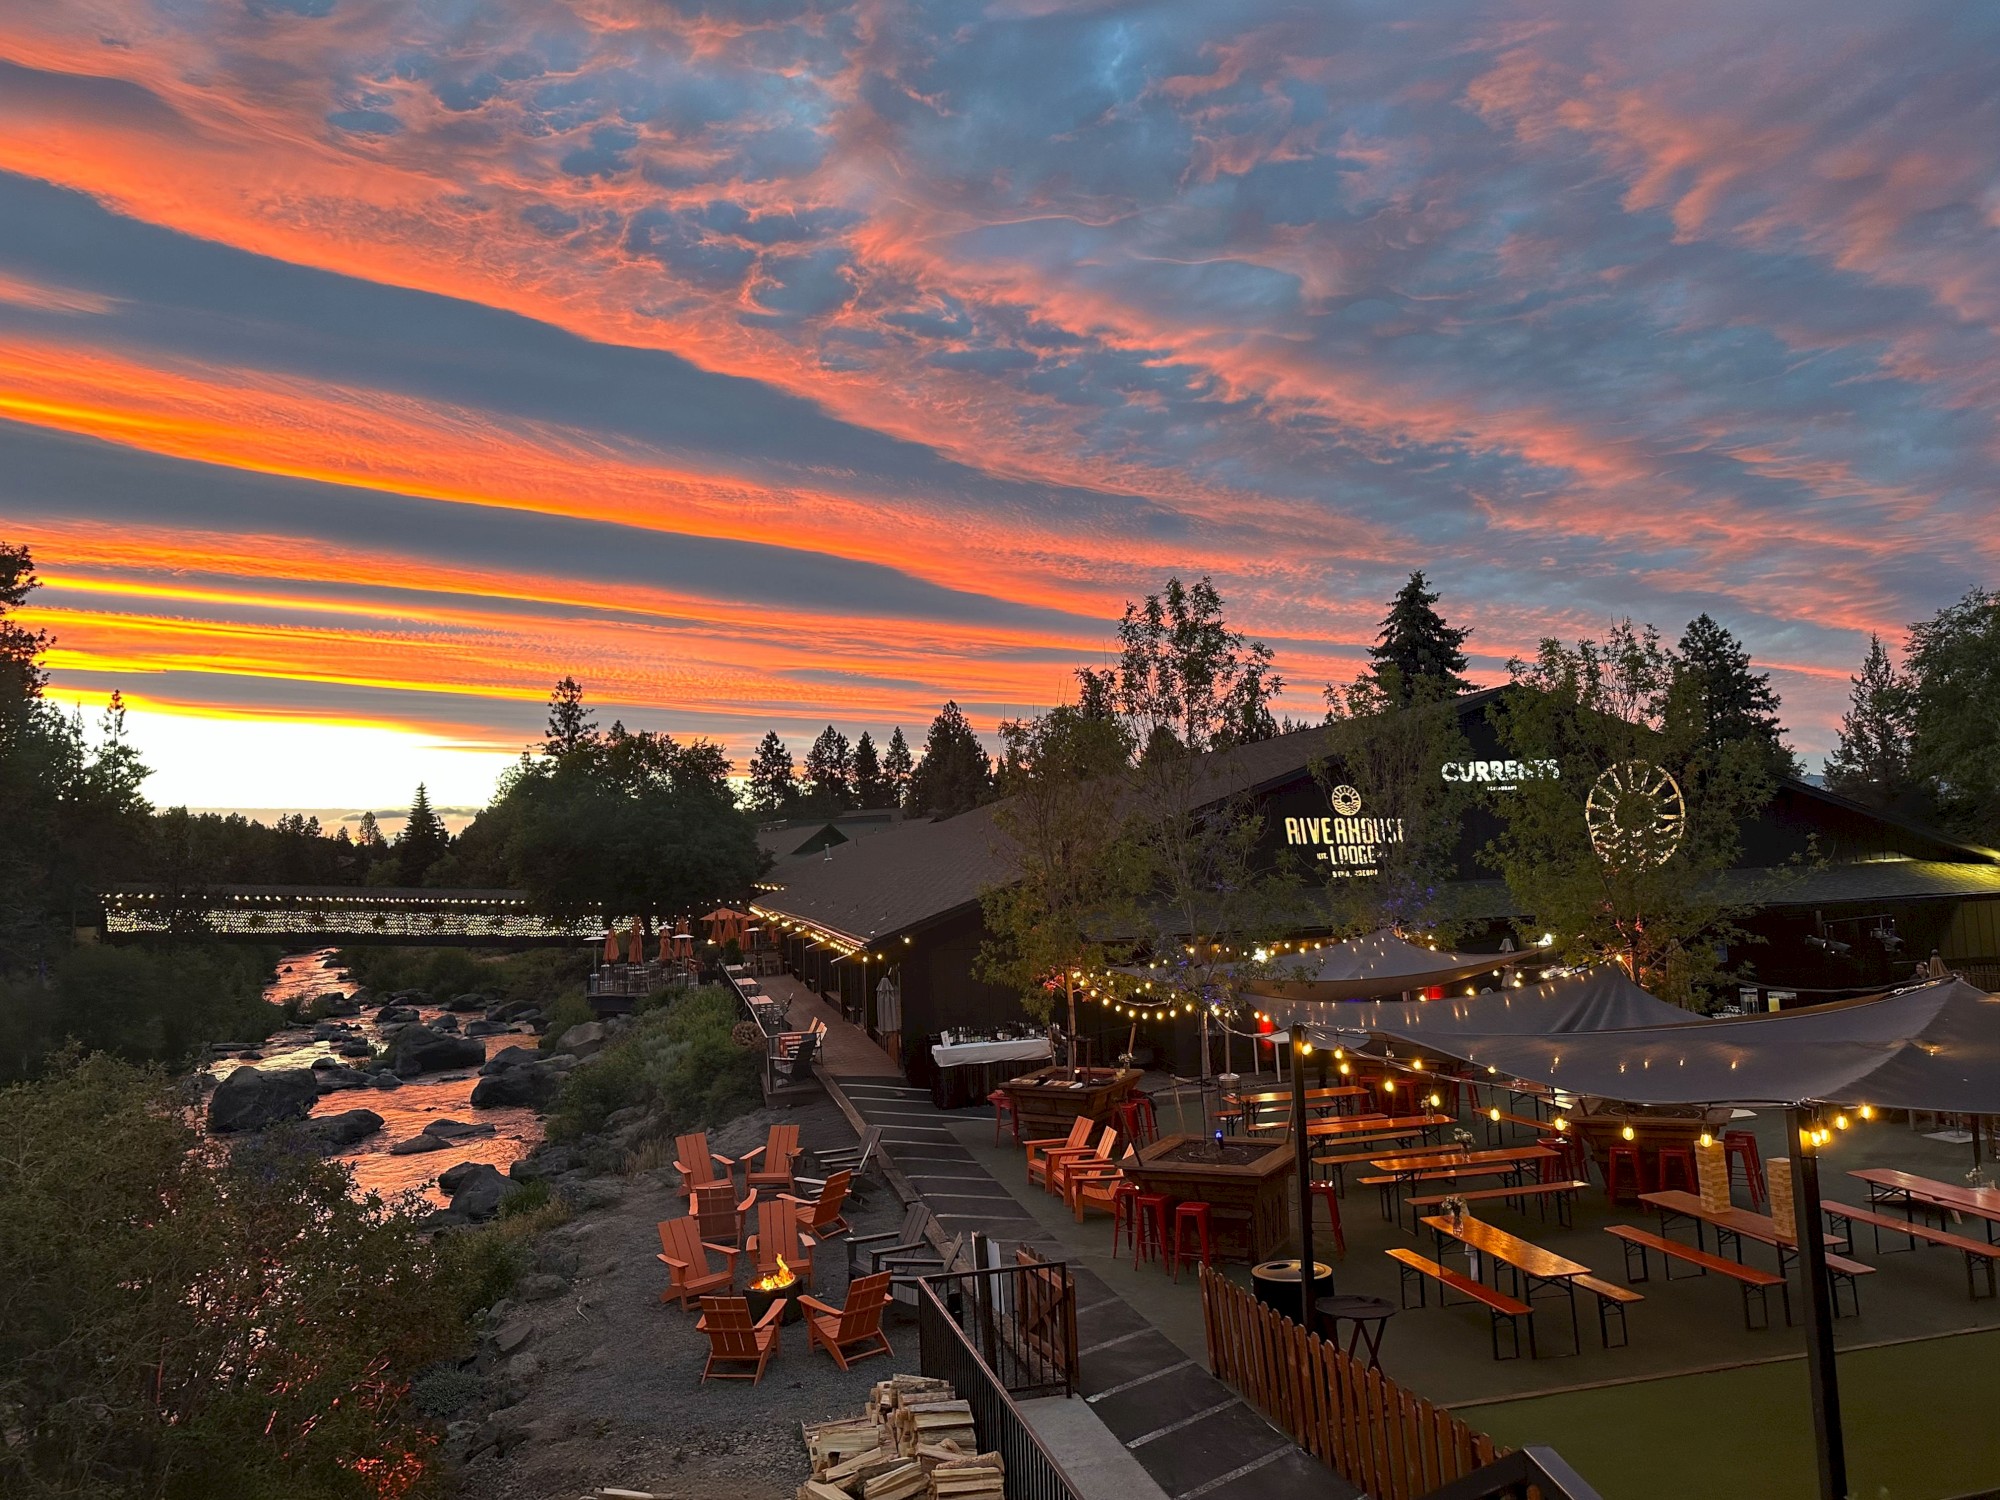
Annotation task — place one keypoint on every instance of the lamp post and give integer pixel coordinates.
(1820, 1368)
(1300, 1154)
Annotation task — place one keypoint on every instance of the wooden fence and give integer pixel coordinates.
(1373, 1433)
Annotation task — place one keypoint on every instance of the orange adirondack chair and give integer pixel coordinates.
(685, 1255)
(774, 1159)
(779, 1233)
(721, 1214)
(1062, 1163)
(858, 1322)
(1094, 1186)
(697, 1164)
(1039, 1151)
(734, 1340)
(823, 1213)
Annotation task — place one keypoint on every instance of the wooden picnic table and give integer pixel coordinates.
(1331, 1097)
(1734, 1225)
(1906, 1189)
(1400, 1171)
(1535, 1269)
(1351, 1126)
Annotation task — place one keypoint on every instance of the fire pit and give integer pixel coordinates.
(766, 1289)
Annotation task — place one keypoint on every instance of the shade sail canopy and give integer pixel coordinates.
(1932, 1047)
(1379, 964)
(1601, 1000)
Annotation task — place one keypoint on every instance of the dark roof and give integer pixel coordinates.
(873, 887)
(366, 893)
(1864, 880)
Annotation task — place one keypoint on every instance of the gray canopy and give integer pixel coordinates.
(1601, 1000)
(1935, 1046)
(1379, 964)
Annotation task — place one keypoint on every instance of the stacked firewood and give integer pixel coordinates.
(914, 1440)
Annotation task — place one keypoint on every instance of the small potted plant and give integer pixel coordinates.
(1463, 1137)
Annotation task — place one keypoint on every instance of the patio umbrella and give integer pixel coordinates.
(611, 946)
(1380, 964)
(635, 945)
(1603, 999)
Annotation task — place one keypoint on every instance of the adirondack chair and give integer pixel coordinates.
(773, 1159)
(854, 1159)
(865, 1250)
(1038, 1151)
(780, 1233)
(685, 1254)
(1061, 1164)
(822, 1211)
(697, 1164)
(852, 1331)
(734, 1340)
(1095, 1187)
(907, 1268)
(721, 1215)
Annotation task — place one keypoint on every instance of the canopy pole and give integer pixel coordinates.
(1810, 1238)
(1308, 1281)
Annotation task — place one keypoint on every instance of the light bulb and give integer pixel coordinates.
(1493, 1114)
(1436, 1100)
(1707, 1139)
(1867, 1111)
(1628, 1132)
(1840, 1122)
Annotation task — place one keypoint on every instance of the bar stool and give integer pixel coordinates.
(1739, 1148)
(1324, 1192)
(1552, 1168)
(1190, 1216)
(1635, 1170)
(1138, 1121)
(1125, 1216)
(1003, 1109)
(1681, 1160)
(1149, 1227)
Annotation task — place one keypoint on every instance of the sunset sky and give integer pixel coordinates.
(366, 365)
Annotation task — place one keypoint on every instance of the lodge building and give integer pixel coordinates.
(1845, 897)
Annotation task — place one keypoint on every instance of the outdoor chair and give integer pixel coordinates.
(907, 1268)
(853, 1159)
(823, 1209)
(685, 1254)
(1078, 1139)
(1095, 1187)
(697, 1164)
(865, 1251)
(852, 1331)
(1061, 1164)
(720, 1213)
(773, 1159)
(734, 1340)
(778, 1234)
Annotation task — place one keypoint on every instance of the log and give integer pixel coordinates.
(860, 1468)
(898, 1483)
(813, 1489)
(977, 1461)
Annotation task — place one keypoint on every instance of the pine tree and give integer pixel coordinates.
(774, 789)
(423, 841)
(1953, 662)
(871, 788)
(954, 776)
(1417, 658)
(829, 772)
(570, 725)
(1872, 761)
(1734, 702)
(897, 764)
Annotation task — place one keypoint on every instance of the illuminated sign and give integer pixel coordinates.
(1351, 844)
(1501, 775)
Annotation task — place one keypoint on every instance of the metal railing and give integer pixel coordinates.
(1530, 1473)
(947, 1352)
(1021, 1319)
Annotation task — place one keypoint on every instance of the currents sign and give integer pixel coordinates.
(1501, 775)
(1343, 839)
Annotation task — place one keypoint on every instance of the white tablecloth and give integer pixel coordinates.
(964, 1054)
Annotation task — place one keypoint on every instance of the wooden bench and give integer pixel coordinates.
(1412, 1268)
(1748, 1278)
(1341, 1162)
(1387, 1184)
(1564, 1193)
(1978, 1253)
(1611, 1298)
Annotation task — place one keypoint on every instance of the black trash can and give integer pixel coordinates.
(1276, 1283)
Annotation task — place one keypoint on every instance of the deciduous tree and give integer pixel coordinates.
(1954, 667)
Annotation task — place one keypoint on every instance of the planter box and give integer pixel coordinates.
(1046, 1100)
(1248, 1192)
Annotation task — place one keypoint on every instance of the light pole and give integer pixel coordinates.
(1301, 1048)
(1820, 1368)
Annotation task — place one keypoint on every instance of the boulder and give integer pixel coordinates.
(540, 1287)
(476, 1189)
(416, 1145)
(249, 1054)
(321, 1064)
(384, 1080)
(510, 1057)
(545, 1162)
(337, 1077)
(451, 1179)
(446, 1023)
(526, 1086)
(356, 1048)
(466, 1002)
(330, 1133)
(582, 1040)
(514, 1009)
(419, 1049)
(396, 1015)
(487, 1028)
(337, 1004)
(251, 1098)
(458, 1130)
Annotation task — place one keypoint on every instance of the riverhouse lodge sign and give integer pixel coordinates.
(1346, 841)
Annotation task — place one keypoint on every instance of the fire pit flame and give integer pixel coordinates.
(775, 1281)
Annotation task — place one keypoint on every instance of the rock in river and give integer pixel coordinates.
(527, 1084)
(330, 1133)
(251, 1098)
(418, 1049)
(476, 1188)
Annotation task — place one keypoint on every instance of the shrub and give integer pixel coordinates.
(570, 1009)
(525, 1199)
(445, 1390)
(480, 1267)
(682, 1061)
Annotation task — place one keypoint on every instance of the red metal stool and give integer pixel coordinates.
(1149, 1227)
(1678, 1161)
(1188, 1216)
(1552, 1168)
(1003, 1109)
(1739, 1147)
(1137, 1121)
(1125, 1216)
(1323, 1192)
(1635, 1170)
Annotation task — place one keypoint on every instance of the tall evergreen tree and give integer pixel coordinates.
(1872, 761)
(423, 841)
(1954, 667)
(570, 724)
(1417, 658)
(954, 776)
(871, 789)
(1733, 702)
(897, 765)
(774, 787)
(830, 772)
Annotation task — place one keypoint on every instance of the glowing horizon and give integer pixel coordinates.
(365, 366)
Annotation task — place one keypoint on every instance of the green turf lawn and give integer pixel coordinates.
(1920, 1420)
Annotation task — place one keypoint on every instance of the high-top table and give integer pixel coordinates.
(1535, 1270)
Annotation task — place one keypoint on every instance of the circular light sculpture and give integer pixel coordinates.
(1636, 815)
(1346, 801)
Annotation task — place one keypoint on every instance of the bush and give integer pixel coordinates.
(525, 1199)
(570, 1009)
(682, 1061)
(181, 1322)
(480, 1267)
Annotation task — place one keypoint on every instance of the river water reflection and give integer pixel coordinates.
(405, 1111)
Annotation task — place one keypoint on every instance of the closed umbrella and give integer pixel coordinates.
(611, 946)
(635, 946)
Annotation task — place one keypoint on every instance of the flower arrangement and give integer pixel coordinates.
(1463, 1137)
(1454, 1208)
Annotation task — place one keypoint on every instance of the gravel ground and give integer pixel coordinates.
(606, 1388)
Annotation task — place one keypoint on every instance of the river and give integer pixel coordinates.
(405, 1111)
